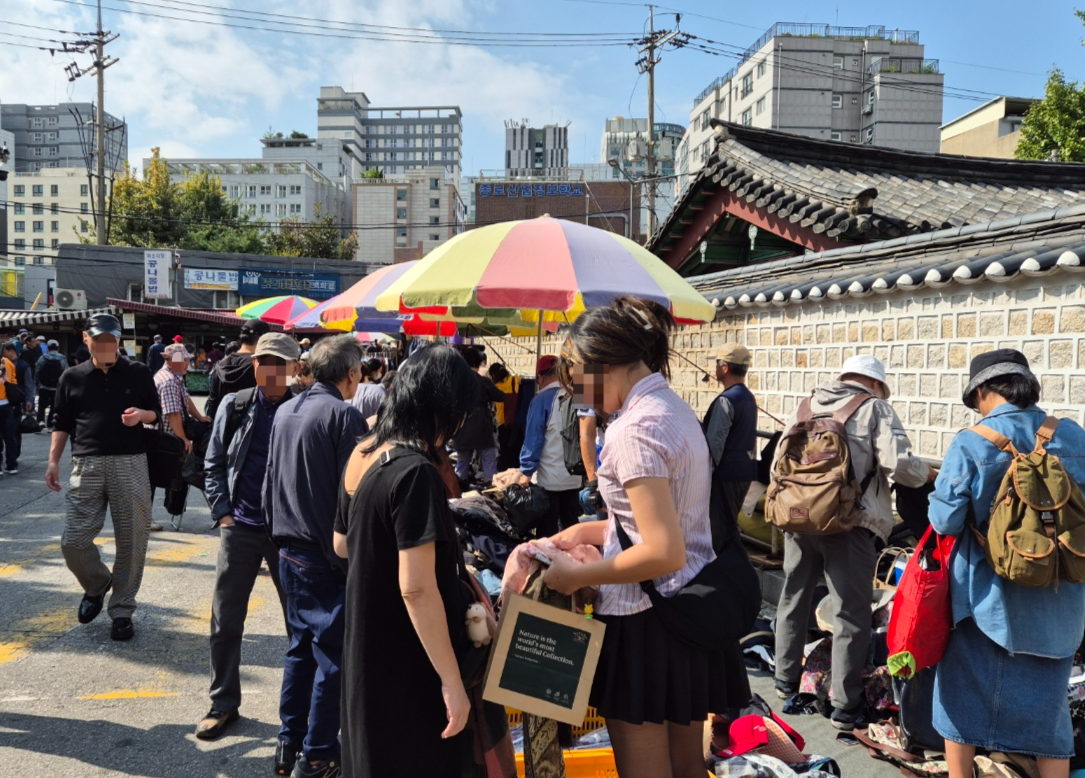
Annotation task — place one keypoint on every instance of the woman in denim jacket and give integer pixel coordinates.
(1002, 683)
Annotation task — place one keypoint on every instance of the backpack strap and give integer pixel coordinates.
(849, 409)
(1045, 434)
(804, 413)
(997, 439)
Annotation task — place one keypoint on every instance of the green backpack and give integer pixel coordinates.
(1036, 535)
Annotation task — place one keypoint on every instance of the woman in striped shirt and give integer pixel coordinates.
(654, 691)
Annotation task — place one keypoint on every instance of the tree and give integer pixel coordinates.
(1056, 123)
(320, 237)
(296, 134)
(154, 212)
(374, 173)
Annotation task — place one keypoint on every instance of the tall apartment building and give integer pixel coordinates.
(47, 208)
(397, 141)
(868, 85)
(992, 130)
(626, 140)
(48, 136)
(404, 218)
(7, 139)
(272, 190)
(536, 151)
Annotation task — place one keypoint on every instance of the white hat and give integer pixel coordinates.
(865, 365)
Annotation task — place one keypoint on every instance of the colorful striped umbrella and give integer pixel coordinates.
(360, 300)
(552, 265)
(277, 310)
(374, 337)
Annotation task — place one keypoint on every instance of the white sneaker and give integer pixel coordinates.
(15, 471)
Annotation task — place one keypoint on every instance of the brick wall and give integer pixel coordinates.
(926, 342)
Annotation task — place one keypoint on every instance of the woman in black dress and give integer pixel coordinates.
(404, 704)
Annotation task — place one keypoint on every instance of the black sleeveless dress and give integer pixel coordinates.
(393, 712)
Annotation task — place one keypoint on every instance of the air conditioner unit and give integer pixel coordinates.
(868, 108)
(70, 299)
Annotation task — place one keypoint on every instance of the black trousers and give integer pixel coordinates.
(46, 397)
(564, 512)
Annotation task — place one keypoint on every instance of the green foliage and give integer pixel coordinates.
(296, 134)
(374, 173)
(1056, 123)
(319, 238)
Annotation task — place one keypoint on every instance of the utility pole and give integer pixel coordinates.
(651, 47)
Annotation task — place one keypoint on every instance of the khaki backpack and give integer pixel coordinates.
(814, 489)
(1036, 535)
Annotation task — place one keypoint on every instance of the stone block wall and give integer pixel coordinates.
(926, 341)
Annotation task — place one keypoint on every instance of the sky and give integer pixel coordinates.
(211, 90)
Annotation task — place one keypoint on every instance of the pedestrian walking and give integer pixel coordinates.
(155, 354)
(175, 401)
(395, 527)
(235, 372)
(879, 449)
(236, 461)
(10, 400)
(654, 690)
(477, 435)
(21, 397)
(311, 440)
(1001, 685)
(370, 392)
(101, 406)
(47, 376)
(542, 455)
(730, 425)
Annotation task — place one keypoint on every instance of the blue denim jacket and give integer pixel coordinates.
(1042, 622)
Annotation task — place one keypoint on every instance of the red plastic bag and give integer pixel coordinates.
(922, 612)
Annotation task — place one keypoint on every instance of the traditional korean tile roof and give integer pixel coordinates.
(852, 193)
(1036, 244)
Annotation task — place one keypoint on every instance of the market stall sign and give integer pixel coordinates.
(544, 660)
(157, 278)
(269, 283)
(199, 278)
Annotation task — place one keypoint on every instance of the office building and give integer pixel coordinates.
(62, 136)
(47, 208)
(625, 141)
(536, 151)
(866, 85)
(405, 217)
(992, 130)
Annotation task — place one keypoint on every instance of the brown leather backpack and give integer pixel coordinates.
(814, 489)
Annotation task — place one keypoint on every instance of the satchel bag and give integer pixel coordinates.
(165, 459)
(922, 613)
(720, 604)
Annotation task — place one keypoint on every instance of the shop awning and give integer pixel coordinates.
(17, 319)
(227, 318)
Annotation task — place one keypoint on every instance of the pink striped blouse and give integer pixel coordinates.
(656, 435)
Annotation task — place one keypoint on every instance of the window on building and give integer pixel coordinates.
(250, 190)
(39, 244)
(225, 299)
(401, 232)
(838, 62)
(760, 106)
(20, 209)
(39, 151)
(54, 208)
(401, 213)
(20, 190)
(20, 244)
(38, 190)
(265, 209)
(836, 136)
(295, 209)
(435, 220)
(39, 226)
(295, 189)
(84, 190)
(265, 190)
(84, 226)
(838, 101)
(54, 150)
(401, 195)
(54, 190)
(870, 97)
(706, 117)
(868, 136)
(38, 208)
(761, 68)
(747, 119)
(55, 243)
(52, 121)
(280, 191)
(434, 236)
(35, 123)
(435, 202)
(38, 137)
(235, 191)
(84, 208)
(435, 183)
(135, 293)
(747, 84)
(54, 226)
(280, 209)
(319, 165)
(20, 261)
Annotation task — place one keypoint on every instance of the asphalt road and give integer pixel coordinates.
(75, 703)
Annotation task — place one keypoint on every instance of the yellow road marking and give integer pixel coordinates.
(12, 650)
(9, 570)
(129, 694)
(32, 631)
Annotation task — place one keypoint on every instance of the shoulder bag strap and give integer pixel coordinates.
(804, 413)
(626, 543)
(1045, 434)
(846, 411)
(996, 439)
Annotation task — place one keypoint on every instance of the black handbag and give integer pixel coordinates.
(165, 459)
(526, 506)
(720, 604)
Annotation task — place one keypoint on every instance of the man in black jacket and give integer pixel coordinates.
(235, 372)
(477, 433)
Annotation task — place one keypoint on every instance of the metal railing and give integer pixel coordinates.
(903, 65)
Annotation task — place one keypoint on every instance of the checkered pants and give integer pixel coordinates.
(122, 483)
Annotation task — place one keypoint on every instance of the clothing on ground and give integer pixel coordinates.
(121, 483)
(90, 403)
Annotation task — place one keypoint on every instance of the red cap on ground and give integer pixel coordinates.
(546, 364)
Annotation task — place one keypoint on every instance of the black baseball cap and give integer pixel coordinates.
(103, 324)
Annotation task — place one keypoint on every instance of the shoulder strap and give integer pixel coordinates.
(849, 408)
(626, 543)
(996, 439)
(1045, 434)
(242, 400)
(804, 413)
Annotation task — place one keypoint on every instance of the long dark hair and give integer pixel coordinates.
(433, 393)
(630, 330)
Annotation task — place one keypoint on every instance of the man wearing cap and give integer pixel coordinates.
(730, 426)
(236, 461)
(235, 372)
(173, 396)
(306, 344)
(880, 450)
(542, 456)
(154, 354)
(47, 375)
(101, 406)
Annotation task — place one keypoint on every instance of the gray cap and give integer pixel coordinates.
(277, 344)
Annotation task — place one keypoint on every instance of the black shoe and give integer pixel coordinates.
(848, 720)
(215, 723)
(785, 690)
(329, 768)
(286, 756)
(122, 629)
(90, 607)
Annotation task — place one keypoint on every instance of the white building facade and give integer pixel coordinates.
(47, 208)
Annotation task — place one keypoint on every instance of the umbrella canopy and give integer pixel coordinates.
(374, 337)
(310, 319)
(360, 300)
(277, 310)
(543, 264)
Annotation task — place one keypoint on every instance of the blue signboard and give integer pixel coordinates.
(531, 190)
(260, 282)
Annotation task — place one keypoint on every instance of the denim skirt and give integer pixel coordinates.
(985, 697)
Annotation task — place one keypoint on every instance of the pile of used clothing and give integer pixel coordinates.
(487, 536)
